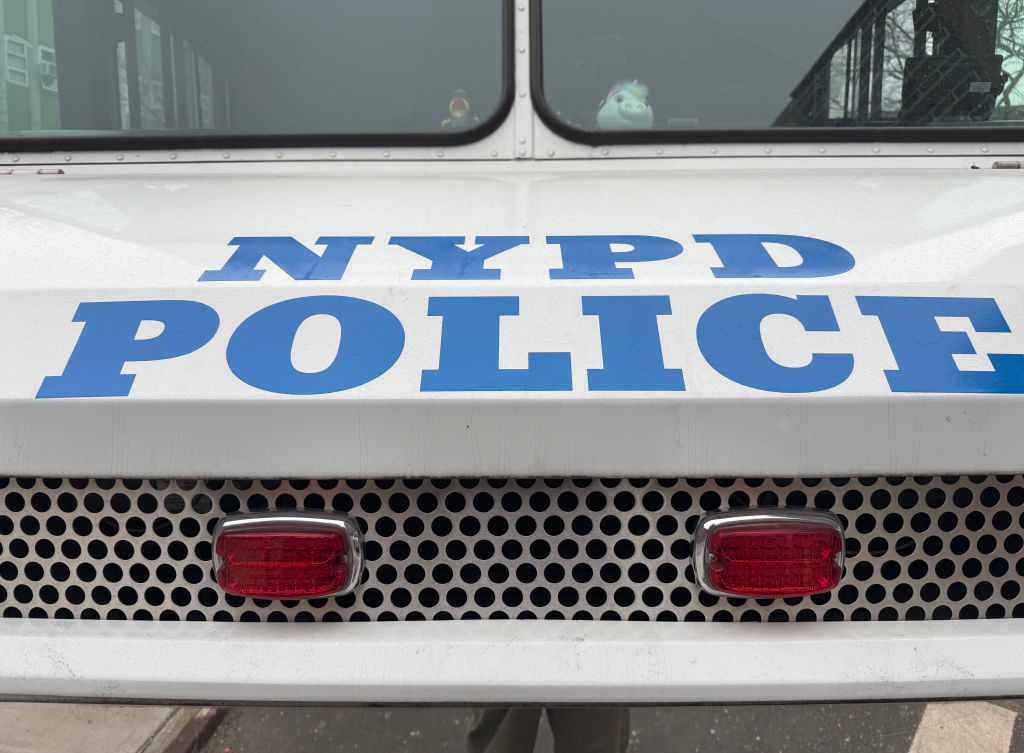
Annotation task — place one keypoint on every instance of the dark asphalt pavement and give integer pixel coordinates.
(811, 728)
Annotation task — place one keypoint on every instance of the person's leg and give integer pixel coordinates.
(503, 731)
(590, 730)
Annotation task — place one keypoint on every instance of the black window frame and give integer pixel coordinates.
(151, 141)
(834, 134)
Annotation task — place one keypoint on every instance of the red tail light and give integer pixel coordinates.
(287, 556)
(769, 554)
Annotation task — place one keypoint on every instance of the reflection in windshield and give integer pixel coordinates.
(720, 64)
(86, 67)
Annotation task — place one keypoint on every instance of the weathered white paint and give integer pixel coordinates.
(511, 662)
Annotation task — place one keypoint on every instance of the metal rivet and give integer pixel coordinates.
(279, 155)
(822, 150)
(767, 150)
(522, 50)
(387, 154)
(173, 156)
(876, 149)
(333, 155)
(984, 150)
(522, 94)
(226, 155)
(439, 153)
(120, 158)
(931, 150)
(522, 7)
(522, 140)
(659, 150)
(551, 152)
(714, 150)
(16, 158)
(604, 152)
(67, 157)
(494, 152)
(522, 152)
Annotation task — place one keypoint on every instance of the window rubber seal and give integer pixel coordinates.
(814, 135)
(486, 127)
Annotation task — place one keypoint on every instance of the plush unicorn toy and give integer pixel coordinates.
(625, 109)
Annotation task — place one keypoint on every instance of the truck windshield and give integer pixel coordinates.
(720, 65)
(152, 68)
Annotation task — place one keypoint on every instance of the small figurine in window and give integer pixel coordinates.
(460, 115)
(625, 109)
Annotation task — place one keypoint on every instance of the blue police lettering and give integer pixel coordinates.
(109, 340)
(729, 337)
(470, 351)
(470, 347)
(924, 353)
(260, 351)
(631, 344)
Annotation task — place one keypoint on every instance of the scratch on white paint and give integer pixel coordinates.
(966, 726)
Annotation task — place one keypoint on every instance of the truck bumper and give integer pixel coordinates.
(510, 662)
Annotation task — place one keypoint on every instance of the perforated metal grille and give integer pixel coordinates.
(923, 548)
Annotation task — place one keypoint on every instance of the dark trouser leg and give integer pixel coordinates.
(503, 731)
(590, 730)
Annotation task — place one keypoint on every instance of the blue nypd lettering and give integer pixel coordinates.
(594, 257)
(479, 340)
(584, 257)
(450, 261)
(747, 256)
(295, 259)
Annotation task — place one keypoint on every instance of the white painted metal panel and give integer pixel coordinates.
(142, 225)
(511, 662)
(104, 234)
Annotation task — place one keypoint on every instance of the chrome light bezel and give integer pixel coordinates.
(297, 520)
(710, 522)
